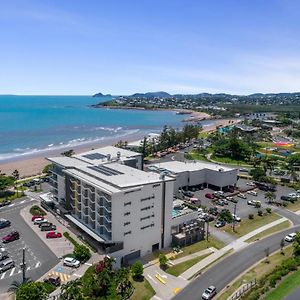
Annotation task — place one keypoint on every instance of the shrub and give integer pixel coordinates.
(35, 210)
(285, 204)
(251, 216)
(137, 269)
(268, 210)
(82, 253)
(162, 260)
(260, 212)
(257, 205)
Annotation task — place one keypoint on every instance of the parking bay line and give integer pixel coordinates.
(12, 271)
(2, 276)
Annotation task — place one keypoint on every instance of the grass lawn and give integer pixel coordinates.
(227, 160)
(142, 290)
(12, 197)
(213, 242)
(257, 272)
(180, 268)
(294, 206)
(285, 287)
(284, 225)
(197, 156)
(248, 225)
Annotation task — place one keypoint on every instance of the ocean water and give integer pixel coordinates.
(32, 125)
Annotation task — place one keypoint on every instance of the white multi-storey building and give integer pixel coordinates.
(127, 211)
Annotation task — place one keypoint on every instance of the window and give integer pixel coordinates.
(127, 213)
(126, 223)
(145, 218)
(127, 232)
(146, 208)
(128, 192)
(148, 198)
(156, 185)
(127, 203)
(147, 226)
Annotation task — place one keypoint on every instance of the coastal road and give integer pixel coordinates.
(39, 258)
(221, 274)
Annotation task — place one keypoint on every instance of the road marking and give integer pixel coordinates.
(76, 275)
(22, 201)
(150, 277)
(2, 276)
(63, 277)
(10, 205)
(19, 271)
(12, 271)
(88, 264)
(28, 269)
(37, 264)
(156, 297)
(176, 290)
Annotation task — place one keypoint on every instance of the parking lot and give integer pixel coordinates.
(242, 208)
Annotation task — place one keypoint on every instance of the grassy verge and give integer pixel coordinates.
(182, 267)
(285, 287)
(284, 225)
(294, 206)
(257, 272)
(248, 225)
(213, 242)
(142, 290)
(35, 210)
(194, 155)
(227, 160)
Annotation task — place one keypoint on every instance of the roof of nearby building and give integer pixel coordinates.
(115, 176)
(179, 167)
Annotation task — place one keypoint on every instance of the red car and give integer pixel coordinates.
(11, 237)
(209, 196)
(36, 217)
(53, 235)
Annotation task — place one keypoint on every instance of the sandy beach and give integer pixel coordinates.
(34, 165)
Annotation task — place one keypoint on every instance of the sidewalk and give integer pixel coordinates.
(191, 256)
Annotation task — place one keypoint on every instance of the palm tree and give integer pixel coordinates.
(293, 173)
(16, 175)
(270, 196)
(15, 285)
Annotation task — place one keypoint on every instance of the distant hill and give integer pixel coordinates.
(160, 94)
(99, 95)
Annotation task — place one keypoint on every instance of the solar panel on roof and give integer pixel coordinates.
(94, 156)
(105, 170)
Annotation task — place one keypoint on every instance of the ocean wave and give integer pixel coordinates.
(74, 143)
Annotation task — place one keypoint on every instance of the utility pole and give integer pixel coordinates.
(23, 266)
(207, 230)
(233, 224)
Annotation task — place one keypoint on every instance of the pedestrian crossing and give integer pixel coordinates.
(63, 277)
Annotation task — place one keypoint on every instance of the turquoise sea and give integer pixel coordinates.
(33, 125)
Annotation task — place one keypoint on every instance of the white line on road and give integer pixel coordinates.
(12, 271)
(37, 264)
(150, 277)
(76, 275)
(22, 201)
(88, 264)
(10, 205)
(19, 271)
(28, 269)
(156, 297)
(2, 276)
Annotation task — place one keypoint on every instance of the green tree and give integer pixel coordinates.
(270, 196)
(72, 290)
(81, 252)
(47, 169)
(258, 174)
(296, 245)
(226, 215)
(16, 176)
(68, 153)
(137, 269)
(32, 291)
(162, 260)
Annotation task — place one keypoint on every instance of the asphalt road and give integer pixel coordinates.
(39, 257)
(294, 295)
(221, 274)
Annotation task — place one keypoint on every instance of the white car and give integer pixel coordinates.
(251, 183)
(236, 218)
(71, 262)
(293, 195)
(242, 196)
(209, 293)
(38, 221)
(290, 237)
(253, 193)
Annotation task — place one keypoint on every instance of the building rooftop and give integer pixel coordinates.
(178, 167)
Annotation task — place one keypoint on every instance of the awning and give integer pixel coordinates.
(86, 229)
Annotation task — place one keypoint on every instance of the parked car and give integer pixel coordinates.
(251, 183)
(213, 211)
(209, 196)
(38, 221)
(4, 223)
(209, 293)
(53, 235)
(52, 279)
(253, 202)
(287, 198)
(14, 235)
(188, 193)
(33, 218)
(243, 170)
(290, 237)
(71, 262)
(3, 253)
(253, 193)
(293, 195)
(220, 223)
(220, 202)
(242, 196)
(5, 203)
(6, 265)
(208, 218)
(279, 172)
(236, 218)
(47, 227)
(225, 201)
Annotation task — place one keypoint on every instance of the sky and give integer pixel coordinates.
(70, 47)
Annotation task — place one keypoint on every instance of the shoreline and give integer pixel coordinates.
(34, 164)
(194, 115)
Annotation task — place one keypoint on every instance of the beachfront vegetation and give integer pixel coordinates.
(68, 153)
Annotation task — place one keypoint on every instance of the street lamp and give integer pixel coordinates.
(23, 266)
